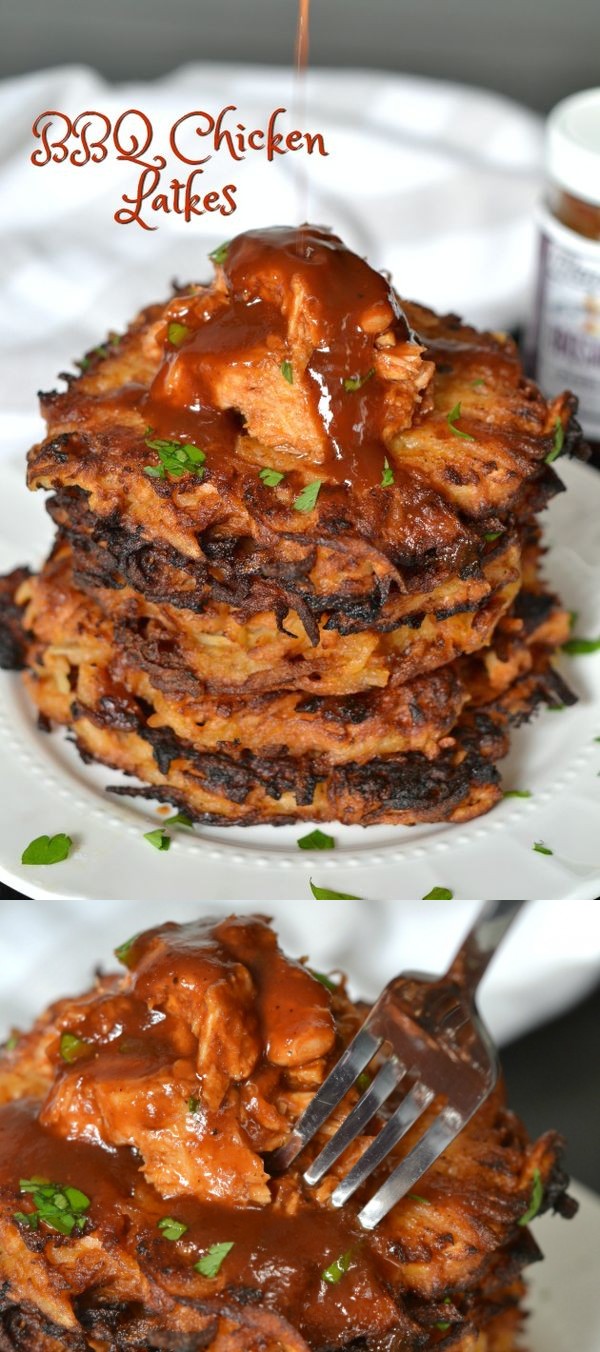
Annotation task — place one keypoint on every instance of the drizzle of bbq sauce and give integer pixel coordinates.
(279, 1255)
(348, 304)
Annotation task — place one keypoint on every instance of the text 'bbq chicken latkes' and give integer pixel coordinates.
(136, 1211)
(291, 508)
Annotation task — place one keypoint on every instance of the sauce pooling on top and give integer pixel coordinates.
(292, 337)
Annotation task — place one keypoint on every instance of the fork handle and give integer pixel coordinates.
(480, 944)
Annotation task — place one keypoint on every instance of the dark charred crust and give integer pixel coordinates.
(533, 608)
(13, 638)
(237, 572)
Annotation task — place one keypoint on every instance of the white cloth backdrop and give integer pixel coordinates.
(549, 959)
(433, 181)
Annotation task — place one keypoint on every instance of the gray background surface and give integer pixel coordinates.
(534, 50)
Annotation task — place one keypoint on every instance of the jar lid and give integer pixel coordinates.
(573, 145)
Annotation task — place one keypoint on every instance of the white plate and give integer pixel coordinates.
(47, 789)
(563, 1290)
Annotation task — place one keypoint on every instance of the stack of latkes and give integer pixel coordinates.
(295, 572)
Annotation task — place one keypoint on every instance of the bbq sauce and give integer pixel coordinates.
(346, 305)
(278, 1255)
(565, 338)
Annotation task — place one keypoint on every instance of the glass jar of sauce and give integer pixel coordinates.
(566, 327)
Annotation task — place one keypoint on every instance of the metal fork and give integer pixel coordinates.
(429, 1034)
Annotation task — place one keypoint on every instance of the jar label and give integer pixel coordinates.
(567, 322)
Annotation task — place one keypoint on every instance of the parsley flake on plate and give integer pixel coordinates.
(327, 894)
(517, 793)
(356, 382)
(180, 819)
(576, 647)
(559, 441)
(287, 371)
(336, 1270)
(387, 474)
(73, 1048)
(219, 255)
(47, 849)
(158, 838)
(540, 848)
(270, 477)
(452, 418)
(316, 840)
(177, 333)
(306, 500)
(537, 1195)
(439, 894)
(61, 1208)
(171, 1229)
(210, 1263)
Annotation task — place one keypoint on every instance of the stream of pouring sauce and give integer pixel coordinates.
(301, 64)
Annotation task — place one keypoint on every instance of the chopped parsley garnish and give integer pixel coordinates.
(219, 255)
(47, 850)
(177, 333)
(493, 534)
(11, 1043)
(356, 382)
(327, 894)
(578, 646)
(452, 418)
(336, 1270)
(306, 500)
(387, 474)
(158, 838)
(210, 1263)
(439, 894)
(517, 793)
(73, 1048)
(176, 458)
(193, 1104)
(270, 477)
(316, 840)
(124, 950)
(61, 1208)
(556, 708)
(476, 384)
(442, 1325)
(540, 848)
(325, 980)
(180, 819)
(537, 1194)
(559, 441)
(416, 1197)
(287, 372)
(171, 1229)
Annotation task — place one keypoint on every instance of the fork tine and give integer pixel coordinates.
(385, 1081)
(352, 1062)
(395, 1128)
(432, 1144)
